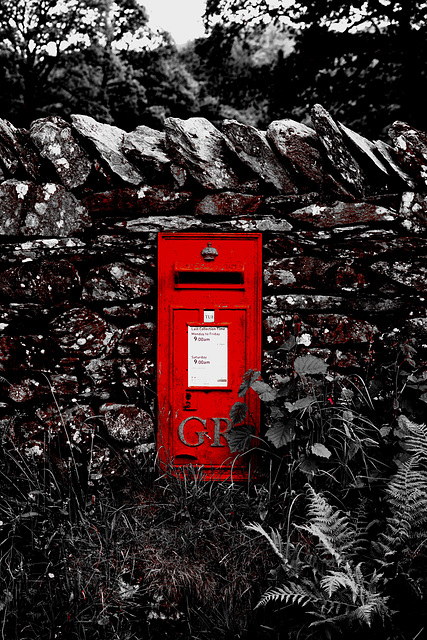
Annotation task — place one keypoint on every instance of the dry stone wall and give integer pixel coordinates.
(344, 246)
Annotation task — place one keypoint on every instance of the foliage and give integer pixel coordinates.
(133, 556)
(97, 57)
(140, 555)
(41, 36)
(235, 74)
(335, 590)
(354, 559)
(261, 61)
(171, 89)
(333, 568)
(407, 490)
(361, 60)
(73, 56)
(331, 12)
(328, 430)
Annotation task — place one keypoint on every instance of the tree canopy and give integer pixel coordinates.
(351, 15)
(39, 32)
(365, 60)
(47, 45)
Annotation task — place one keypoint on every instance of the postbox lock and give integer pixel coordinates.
(209, 253)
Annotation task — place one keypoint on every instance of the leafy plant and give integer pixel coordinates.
(320, 569)
(407, 490)
(345, 563)
(319, 422)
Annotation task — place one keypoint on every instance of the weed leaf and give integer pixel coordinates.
(320, 450)
(276, 413)
(240, 438)
(249, 377)
(309, 365)
(308, 466)
(286, 346)
(238, 412)
(281, 433)
(265, 392)
(29, 514)
(302, 403)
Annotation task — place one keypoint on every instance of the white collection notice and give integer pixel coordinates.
(207, 356)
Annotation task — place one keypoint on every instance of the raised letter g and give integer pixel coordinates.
(201, 434)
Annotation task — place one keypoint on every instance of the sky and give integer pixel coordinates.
(182, 18)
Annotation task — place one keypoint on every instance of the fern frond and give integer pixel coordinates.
(339, 604)
(352, 579)
(338, 580)
(348, 614)
(336, 534)
(290, 594)
(409, 483)
(367, 612)
(414, 439)
(325, 540)
(274, 538)
(329, 621)
(362, 522)
(358, 574)
(407, 494)
(363, 614)
(407, 489)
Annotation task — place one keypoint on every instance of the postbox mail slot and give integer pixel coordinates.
(199, 279)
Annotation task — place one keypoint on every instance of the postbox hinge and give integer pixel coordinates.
(209, 253)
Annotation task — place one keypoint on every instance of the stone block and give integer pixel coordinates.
(116, 282)
(56, 143)
(252, 148)
(413, 209)
(337, 329)
(411, 147)
(108, 142)
(342, 161)
(45, 282)
(26, 352)
(17, 151)
(146, 149)
(127, 423)
(27, 389)
(229, 204)
(343, 213)
(300, 146)
(198, 146)
(83, 332)
(40, 210)
(137, 340)
(411, 274)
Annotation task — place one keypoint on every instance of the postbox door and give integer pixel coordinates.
(209, 360)
(209, 327)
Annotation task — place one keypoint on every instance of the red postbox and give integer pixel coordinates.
(209, 333)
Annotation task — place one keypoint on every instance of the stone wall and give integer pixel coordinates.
(344, 240)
